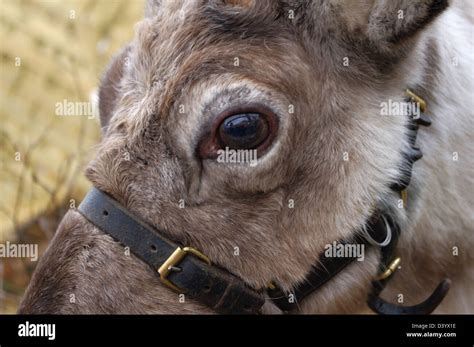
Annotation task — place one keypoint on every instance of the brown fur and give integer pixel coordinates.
(183, 54)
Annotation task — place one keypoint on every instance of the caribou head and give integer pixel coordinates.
(252, 132)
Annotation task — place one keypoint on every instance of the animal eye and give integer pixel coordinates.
(243, 131)
(243, 128)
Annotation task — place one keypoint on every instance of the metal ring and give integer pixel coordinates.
(385, 242)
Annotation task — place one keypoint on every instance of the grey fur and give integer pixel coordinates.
(183, 54)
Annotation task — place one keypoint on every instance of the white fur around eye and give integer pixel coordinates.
(212, 97)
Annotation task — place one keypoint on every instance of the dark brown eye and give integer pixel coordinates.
(250, 127)
(243, 131)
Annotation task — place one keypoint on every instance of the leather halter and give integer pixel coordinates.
(186, 270)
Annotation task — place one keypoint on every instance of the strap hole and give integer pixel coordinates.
(105, 212)
(153, 248)
(207, 288)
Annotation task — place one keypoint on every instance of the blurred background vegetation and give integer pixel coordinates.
(50, 51)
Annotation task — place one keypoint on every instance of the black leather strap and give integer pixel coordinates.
(209, 285)
(316, 277)
(375, 302)
(381, 306)
(224, 292)
(328, 268)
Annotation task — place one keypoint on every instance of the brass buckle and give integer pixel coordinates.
(175, 258)
(391, 268)
(404, 197)
(415, 98)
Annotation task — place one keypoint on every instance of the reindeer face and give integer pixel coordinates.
(250, 130)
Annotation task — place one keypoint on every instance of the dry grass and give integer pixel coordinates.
(50, 51)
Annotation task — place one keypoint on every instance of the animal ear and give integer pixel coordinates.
(385, 22)
(109, 88)
(391, 21)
